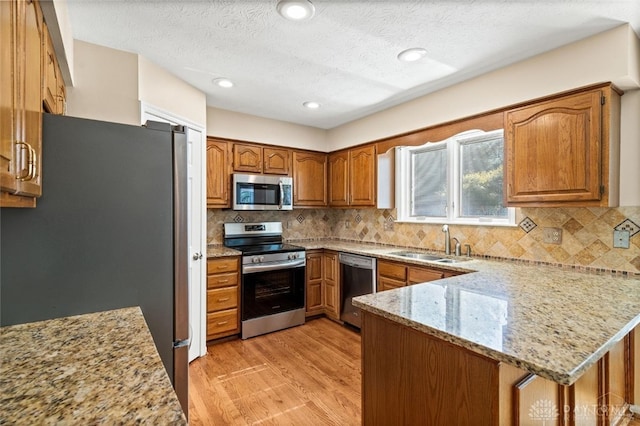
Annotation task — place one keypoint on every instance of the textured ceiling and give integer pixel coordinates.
(345, 57)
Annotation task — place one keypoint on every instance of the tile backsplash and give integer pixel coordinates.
(587, 233)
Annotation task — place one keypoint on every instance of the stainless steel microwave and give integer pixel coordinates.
(262, 192)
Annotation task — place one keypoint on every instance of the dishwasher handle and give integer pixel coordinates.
(356, 261)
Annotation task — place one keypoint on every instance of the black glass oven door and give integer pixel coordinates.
(271, 292)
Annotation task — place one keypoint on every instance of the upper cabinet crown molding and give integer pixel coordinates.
(564, 151)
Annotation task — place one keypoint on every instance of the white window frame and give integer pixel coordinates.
(454, 183)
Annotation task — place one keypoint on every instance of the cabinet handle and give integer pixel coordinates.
(223, 281)
(224, 299)
(27, 172)
(223, 323)
(34, 165)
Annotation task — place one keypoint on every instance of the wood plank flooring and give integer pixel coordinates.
(305, 375)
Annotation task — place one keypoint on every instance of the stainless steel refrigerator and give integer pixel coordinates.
(110, 231)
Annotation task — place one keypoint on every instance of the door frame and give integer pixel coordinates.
(146, 110)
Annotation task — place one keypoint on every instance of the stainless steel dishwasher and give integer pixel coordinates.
(357, 277)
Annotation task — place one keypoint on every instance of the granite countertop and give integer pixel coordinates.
(218, 250)
(550, 321)
(100, 368)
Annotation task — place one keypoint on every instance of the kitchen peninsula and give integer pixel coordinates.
(99, 368)
(507, 344)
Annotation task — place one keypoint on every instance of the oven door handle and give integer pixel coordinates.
(249, 269)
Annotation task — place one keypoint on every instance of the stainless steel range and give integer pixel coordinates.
(273, 277)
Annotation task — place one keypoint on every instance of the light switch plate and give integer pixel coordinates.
(621, 239)
(552, 235)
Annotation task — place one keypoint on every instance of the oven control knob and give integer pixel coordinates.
(261, 259)
(255, 259)
(293, 256)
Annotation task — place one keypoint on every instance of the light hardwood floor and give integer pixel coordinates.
(305, 375)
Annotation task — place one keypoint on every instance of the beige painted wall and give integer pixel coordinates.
(630, 149)
(603, 57)
(56, 15)
(165, 91)
(105, 85)
(235, 125)
(110, 84)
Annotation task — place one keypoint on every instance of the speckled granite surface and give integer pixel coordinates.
(217, 250)
(550, 321)
(100, 368)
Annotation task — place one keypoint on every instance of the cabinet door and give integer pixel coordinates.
(309, 179)
(247, 158)
(217, 174)
(8, 16)
(553, 150)
(339, 179)
(29, 79)
(362, 176)
(315, 303)
(50, 74)
(332, 285)
(277, 161)
(385, 283)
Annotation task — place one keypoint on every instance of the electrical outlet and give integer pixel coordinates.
(388, 226)
(347, 224)
(621, 239)
(552, 235)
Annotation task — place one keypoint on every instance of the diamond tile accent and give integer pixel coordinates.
(300, 218)
(238, 219)
(527, 225)
(628, 225)
(358, 218)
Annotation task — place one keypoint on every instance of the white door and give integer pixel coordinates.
(197, 243)
(197, 223)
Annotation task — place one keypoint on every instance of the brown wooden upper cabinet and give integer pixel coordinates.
(309, 179)
(21, 104)
(564, 151)
(352, 177)
(53, 91)
(27, 65)
(257, 159)
(218, 176)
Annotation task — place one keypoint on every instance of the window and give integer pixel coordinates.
(458, 180)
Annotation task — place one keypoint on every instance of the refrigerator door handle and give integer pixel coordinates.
(181, 343)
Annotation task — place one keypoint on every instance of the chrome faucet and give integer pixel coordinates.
(457, 249)
(447, 241)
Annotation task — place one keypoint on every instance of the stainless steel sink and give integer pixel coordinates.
(424, 256)
(420, 256)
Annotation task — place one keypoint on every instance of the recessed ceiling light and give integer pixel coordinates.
(311, 105)
(223, 82)
(296, 10)
(412, 55)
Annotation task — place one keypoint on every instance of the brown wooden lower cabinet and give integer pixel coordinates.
(223, 297)
(411, 378)
(331, 291)
(397, 274)
(314, 285)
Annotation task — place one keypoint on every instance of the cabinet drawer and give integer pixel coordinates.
(222, 280)
(222, 298)
(220, 322)
(422, 275)
(392, 270)
(225, 264)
